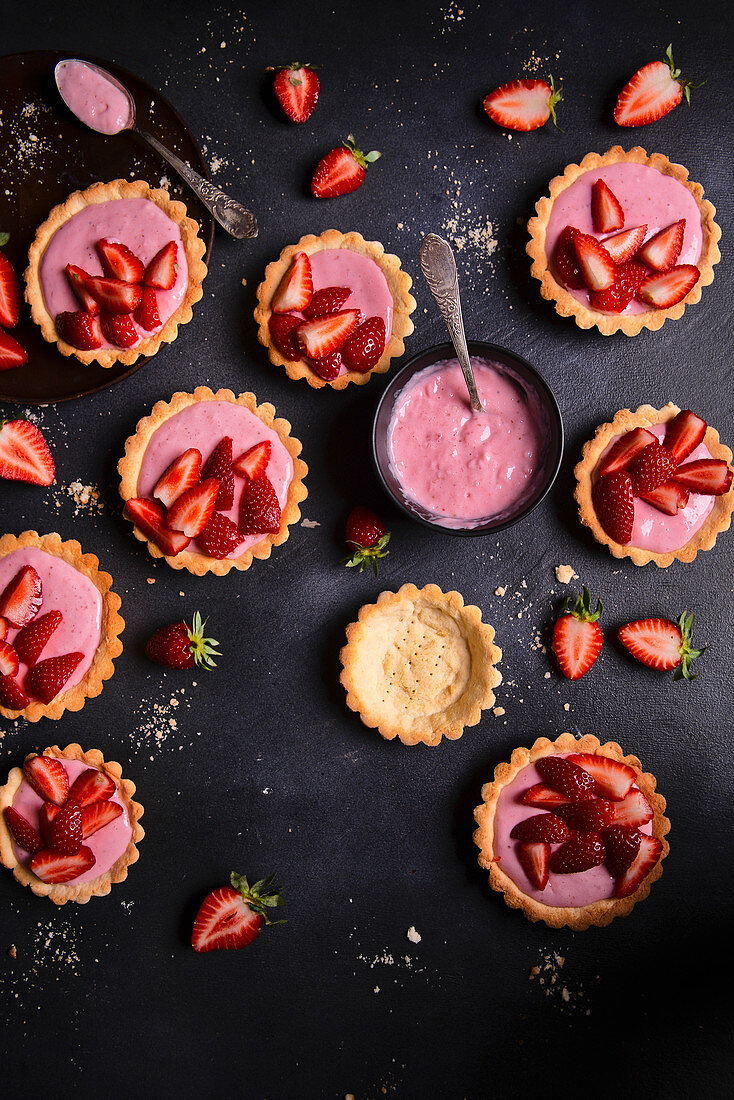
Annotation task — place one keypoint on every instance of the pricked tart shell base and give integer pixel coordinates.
(397, 280)
(717, 521)
(579, 918)
(609, 323)
(398, 624)
(60, 893)
(193, 245)
(112, 625)
(135, 447)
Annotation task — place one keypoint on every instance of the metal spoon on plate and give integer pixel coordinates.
(230, 214)
(439, 269)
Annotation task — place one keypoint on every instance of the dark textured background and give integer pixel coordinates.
(370, 837)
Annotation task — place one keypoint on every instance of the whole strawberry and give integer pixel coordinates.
(233, 916)
(577, 637)
(181, 646)
(297, 87)
(342, 170)
(368, 537)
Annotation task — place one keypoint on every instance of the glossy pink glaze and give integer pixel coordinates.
(203, 425)
(94, 100)
(138, 223)
(107, 844)
(647, 197)
(464, 467)
(578, 889)
(661, 534)
(63, 589)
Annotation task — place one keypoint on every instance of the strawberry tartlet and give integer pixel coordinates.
(114, 271)
(572, 832)
(334, 309)
(655, 485)
(623, 242)
(212, 481)
(68, 824)
(59, 626)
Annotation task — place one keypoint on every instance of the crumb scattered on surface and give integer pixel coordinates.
(150, 580)
(413, 936)
(13, 951)
(501, 590)
(498, 712)
(565, 574)
(309, 523)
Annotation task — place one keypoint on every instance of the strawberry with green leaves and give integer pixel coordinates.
(342, 170)
(182, 646)
(577, 637)
(233, 916)
(663, 645)
(368, 537)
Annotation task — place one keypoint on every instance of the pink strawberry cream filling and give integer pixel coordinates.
(653, 530)
(64, 589)
(464, 467)
(107, 844)
(137, 223)
(648, 197)
(582, 888)
(94, 100)
(202, 425)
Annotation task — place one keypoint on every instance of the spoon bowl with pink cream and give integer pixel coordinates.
(458, 471)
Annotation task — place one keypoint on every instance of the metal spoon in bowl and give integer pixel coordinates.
(230, 214)
(439, 268)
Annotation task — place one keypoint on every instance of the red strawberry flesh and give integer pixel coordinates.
(119, 261)
(708, 476)
(621, 844)
(183, 473)
(684, 433)
(654, 466)
(47, 678)
(534, 859)
(162, 270)
(606, 209)
(66, 829)
(48, 778)
(588, 817)
(91, 786)
(613, 779)
(149, 516)
(24, 835)
(95, 816)
(647, 857)
(53, 867)
(24, 453)
(625, 450)
(295, 290)
(22, 597)
(33, 638)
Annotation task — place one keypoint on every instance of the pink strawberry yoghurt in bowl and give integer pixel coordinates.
(203, 425)
(652, 529)
(107, 844)
(64, 589)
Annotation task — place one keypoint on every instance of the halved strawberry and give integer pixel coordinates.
(33, 638)
(66, 829)
(595, 264)
(634, 810)
(646, 858)
(80, 329)
(590, 816)
(295, 289)
(341, 171)
(523, 104)
(615, 506)
(684, 433)
(652, 467)
(24, 835)
(12, 694)
(606, 209)
(183, 473)
(48, 777)
(580, 853)
(8, 659)
(46, 815)
(283, 332)
(548, 828)
(565, 261)
(119, 261)
(193, 509)
(77, 277)
(326, 334)
(113, 295)
(259, 508)
(9, 294)
(47, 678)
(623, 245)
(329, 299)
(150, 518)
(297, 88)
(4, 627)
(662, 250)
(627, 281)
(625, 450)
(220, 536)
(24, 453)
(12, 353)
(22, 597)
(327, 367)
(577, 642)
(162, 270)
(662, 644)
(651, 93)
(146, 314)
(98, 815)
(669, 498)
(53, 867)
(254, 461)
(567, 777)
(233, 916)
(219, 466)
(119, 329)
(709, 476)
(621, 844)
(613, 778)
(669, 287)
(534, 859)
(91, 786)
(363, 349)
(542, 797)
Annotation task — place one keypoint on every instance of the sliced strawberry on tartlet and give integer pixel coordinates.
(183, 474)
(296, 288)
(149, 516)
(606, 209)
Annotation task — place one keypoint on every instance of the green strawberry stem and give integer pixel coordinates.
(203, 649)
(261, 896)
(687, 652)
(556, 97)
(363, 159)
(582, 608)
(364, 555)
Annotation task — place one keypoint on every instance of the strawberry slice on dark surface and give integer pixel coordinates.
(12, 695)
(219, 466)
(113, 295)
(162, 270)
(283, 332)
(253, 462)
(566, 777)
(66, 829)
(119, 329)
(183, 473)
(220, 537)
(23, 833)
(669, 499)
(295, 289)
(684, 433)
(329, 299)
(150, 519)
(31, 641)
(363, 349)
(606, 209)
(77, 277)
(297, 89)
(341, 171)
(91, 786)
(12, 353)
(665, 289)
(95, 816)
(548, 828)
(79, 329)
(24, 453)
(663, 645)
(652, 467)
(9, 294)
(623, 452)
(48, 777)
(146, 314)
(663, 249)
(580, 853)
(709, 476)
(647, 857)
(22, 597)
(193, 509)
(47, 678)
(534, 859)
(326, 334)
(615, 506)
(652, 92)
(119, 261)
(53, 867)
(623, 246)
(259, 508)
(577, 642)
(523, 104)
(233, 916)
(565, 261)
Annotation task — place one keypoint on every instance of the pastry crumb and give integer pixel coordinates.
(566, 706)
(547, 675)
(309, 523)
(501, 590)
(413, 936)
(498, 712)
(534, 971)
(565, 574)
(150, 580)
(13, 951)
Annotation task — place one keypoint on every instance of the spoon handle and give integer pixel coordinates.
(230, 214)
(439, 269)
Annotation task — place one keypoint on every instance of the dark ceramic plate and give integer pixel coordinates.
(47, 154)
